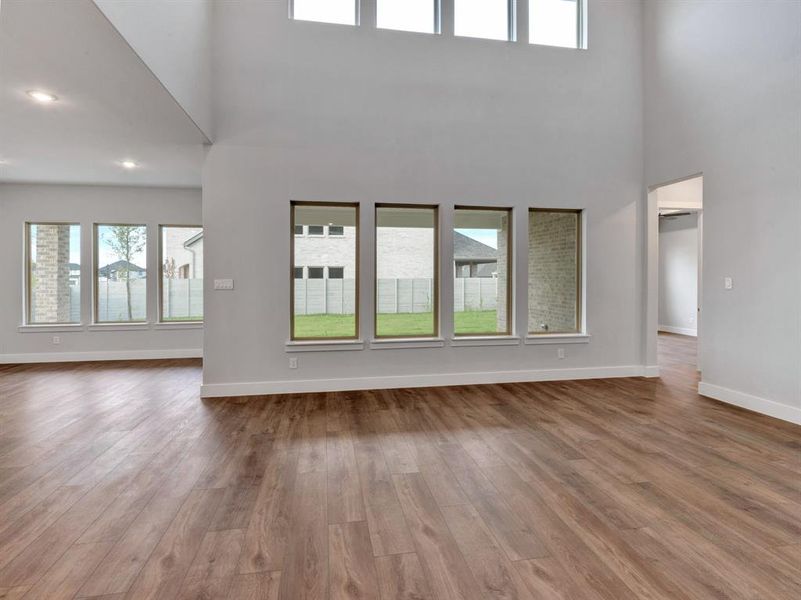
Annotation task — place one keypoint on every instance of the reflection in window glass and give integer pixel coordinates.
(121, 275)
(487, 19)
(342, 12)
(181, 273)
(54, 273)
(554, 284)
(408, 15)
(554, 22)
(325, 304)
(481, 287)
(406, 271)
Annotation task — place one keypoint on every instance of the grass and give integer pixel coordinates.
(180, 319)
(474, 321)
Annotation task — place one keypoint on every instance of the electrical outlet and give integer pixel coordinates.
(293, 362)
(56, 339)
(560, 353)
(728, 283)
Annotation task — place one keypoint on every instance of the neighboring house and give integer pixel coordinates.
(75, 273)
(116, 271)
(184, 255)
(323, 252)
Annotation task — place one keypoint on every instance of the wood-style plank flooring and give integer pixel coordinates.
(117, 481)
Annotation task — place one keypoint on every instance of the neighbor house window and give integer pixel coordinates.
(482, 256)
(343, 12)
(407, 273)
(120, 273)
(554, 271)
(336, 230)
(53, 256)
(556, 22)
(316, 230)
(408, 15)
(298, 229)
(325, 304)
(181, 265)
(489, 19)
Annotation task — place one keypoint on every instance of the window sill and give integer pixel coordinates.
(118, 326)
(179, 325)
(323, 346)
(55, 328)
(558, 338)
(485, 340)
(398, 343)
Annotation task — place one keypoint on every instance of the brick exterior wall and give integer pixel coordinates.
(51, 294)
(552, 272)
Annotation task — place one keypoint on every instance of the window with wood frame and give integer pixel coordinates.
(407, 271)
(482, 259)
(324, 307)
(554, 271)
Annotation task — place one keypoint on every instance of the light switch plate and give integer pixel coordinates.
(223, 284)
(728, 283)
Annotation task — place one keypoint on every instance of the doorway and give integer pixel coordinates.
(675, 265)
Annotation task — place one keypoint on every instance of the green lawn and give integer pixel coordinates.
(473, 321)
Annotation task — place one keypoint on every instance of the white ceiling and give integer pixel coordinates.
(110, 108)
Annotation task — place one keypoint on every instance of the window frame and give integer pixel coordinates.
(160, 284)
(436, 282)
(28, 270)
(96, 268)
(509, 273)
(357, 299)
(356, 17)
(579, 212)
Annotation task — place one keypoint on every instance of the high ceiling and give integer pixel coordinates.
(110, 106)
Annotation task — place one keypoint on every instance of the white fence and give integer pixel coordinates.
(182, 298)
(337, 296)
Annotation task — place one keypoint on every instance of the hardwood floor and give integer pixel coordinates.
(117, 481)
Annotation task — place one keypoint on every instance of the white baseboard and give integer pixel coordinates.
(650, 371)
(50, 357)
(679, 330)
(754, 403)
(257, 388)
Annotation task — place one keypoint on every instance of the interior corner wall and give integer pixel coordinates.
(678, 274)
(21, 203)
(723, 97)
(312, 111)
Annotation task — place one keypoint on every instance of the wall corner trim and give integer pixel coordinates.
(764, 406)
(258, 388)
(98, 356)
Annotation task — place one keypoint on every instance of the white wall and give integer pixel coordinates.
(173, 39)
(678, 274)
(311, 111)
(723, 97)
(87, 205)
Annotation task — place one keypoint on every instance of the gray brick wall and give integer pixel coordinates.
(552, 272)
(503, 274)
(51, 293)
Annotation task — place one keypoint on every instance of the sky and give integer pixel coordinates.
(485, 236)
(551, 22)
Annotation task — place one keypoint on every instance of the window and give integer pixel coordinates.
(325, 307)
(298, 229)
(408, 15)
(343, 12)
(181, 265)
(336, 230)
(53, 259)
(316, 230)
(556, 22)
(489, 19)
(554, 271)
(407, 273)
(298, 272)
(120, 273)
(482, 256)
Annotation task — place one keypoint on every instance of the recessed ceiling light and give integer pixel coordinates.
(128, 164)
(42, 97)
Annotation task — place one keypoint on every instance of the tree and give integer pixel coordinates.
(126, 241)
